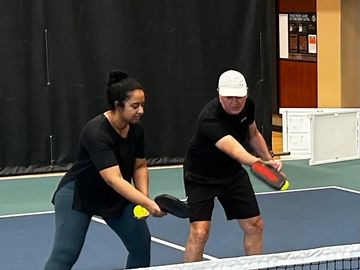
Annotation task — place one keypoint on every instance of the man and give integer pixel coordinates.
(213, 166)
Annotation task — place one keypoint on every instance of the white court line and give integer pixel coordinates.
(30, 176)
(42, 175)
(307, 189)
(181, 248)
(347, 189)
(259, 193)
(163, 242)
(96, 219)
(27, 214)
(165, 167)
(294, 190)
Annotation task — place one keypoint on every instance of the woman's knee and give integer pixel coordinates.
(141, 245)
(139, 242)
(63, 257)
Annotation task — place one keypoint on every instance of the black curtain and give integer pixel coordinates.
(56, 56)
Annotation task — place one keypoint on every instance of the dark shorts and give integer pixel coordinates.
(237, 198)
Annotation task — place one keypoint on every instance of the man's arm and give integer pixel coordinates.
(258, 144)
(230, 146)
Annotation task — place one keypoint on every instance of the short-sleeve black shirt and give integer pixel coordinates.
(101, 147)
(204, 161)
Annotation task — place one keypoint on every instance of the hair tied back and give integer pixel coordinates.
(116, 76)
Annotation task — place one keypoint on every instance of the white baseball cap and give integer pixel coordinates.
(232, 84)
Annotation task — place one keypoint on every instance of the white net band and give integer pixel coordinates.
(268, 261)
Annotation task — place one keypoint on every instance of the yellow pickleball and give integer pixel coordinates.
(140, 212)
(285, 186)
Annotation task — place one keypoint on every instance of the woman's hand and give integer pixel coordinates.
(154, 209)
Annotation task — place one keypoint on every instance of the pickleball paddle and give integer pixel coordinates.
(173, 205)
(270, 175)
(279, 154)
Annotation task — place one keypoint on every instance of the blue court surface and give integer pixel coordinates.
(294, 220)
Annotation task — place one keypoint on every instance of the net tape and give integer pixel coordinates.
(285, 260)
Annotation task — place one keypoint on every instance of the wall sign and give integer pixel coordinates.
(297, 34)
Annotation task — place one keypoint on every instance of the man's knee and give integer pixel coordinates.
(199, 233)
(253, 225)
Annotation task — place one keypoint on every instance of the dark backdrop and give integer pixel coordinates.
(55, 57)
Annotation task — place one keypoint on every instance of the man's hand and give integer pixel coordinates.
(276, 164)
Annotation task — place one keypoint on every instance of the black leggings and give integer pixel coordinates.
(71, 228)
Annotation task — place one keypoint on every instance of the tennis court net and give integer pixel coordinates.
(334, 257)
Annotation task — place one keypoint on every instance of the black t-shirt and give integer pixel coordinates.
(101, 147)
(204, 161)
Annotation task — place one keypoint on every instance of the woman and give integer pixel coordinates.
(110, 156)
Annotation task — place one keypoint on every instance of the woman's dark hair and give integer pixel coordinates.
(119, 87)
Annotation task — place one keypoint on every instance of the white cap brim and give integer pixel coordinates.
(233, 92)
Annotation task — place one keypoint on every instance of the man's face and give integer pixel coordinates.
(232, 105)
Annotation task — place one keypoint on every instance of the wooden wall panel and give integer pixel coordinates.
(297, 80)
(289, 6)
(297, 84)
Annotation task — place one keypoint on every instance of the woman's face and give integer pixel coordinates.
(134, 106)
(232, 105)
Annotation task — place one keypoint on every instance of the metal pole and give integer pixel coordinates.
(52, 158)
(47, 82)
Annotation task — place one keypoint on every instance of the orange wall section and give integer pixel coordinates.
(350, 53)
(329, 53)
(338, 53)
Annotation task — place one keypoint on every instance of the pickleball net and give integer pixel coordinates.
(326, 258)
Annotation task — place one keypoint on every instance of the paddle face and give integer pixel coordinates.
(173, 205)
(270, 175)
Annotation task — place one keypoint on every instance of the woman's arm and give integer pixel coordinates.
(141, 176)
(113, 177)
